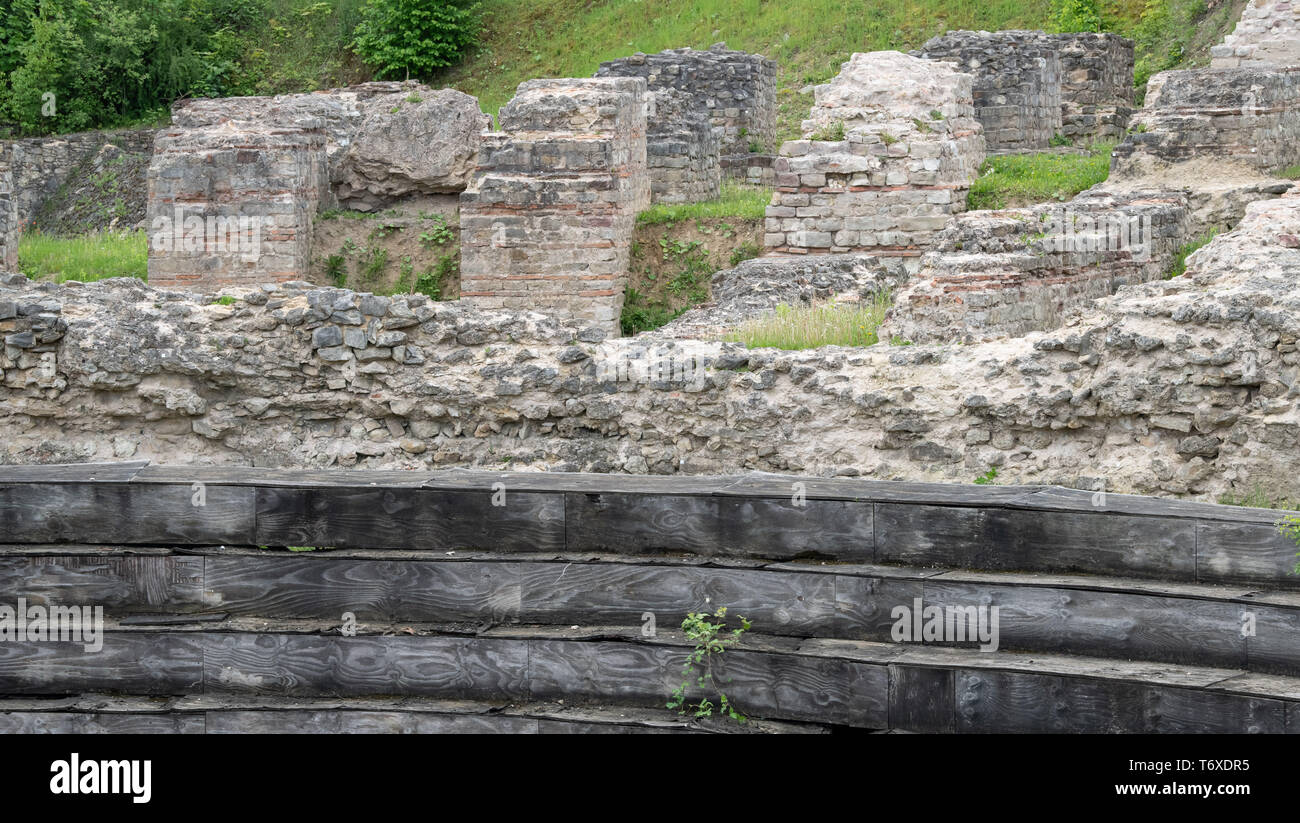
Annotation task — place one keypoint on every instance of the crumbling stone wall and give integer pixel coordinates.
(737, 90)
(1244, 117)
(1096, 84)
(384, 141)
(908, 151)
(751, 168)
(681, 151)
(1007, 273)
(547, 221)
(41, 165)
(8, 213)
(1268, 34)
(233, 203)
(1017, 86)
(1183, 386)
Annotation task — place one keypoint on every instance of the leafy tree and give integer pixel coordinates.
(415, 37)
(1078, 15)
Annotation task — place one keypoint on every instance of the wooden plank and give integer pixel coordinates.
(409, 518)
(1275, 646)
(584, 483)
(1093, 543)
(288, 478)
(864, 605)
(1103, 623)
(1056, 498)
(109, 472)
(121, 584)
(1021, 702)
(775, 602)
(922, 535)
(787, 687)
(759, 484)
(124, 513)
(303, 665)
(325, 587)
(128, 663)
(100, 723)
(364, 722)
(714, 526)
(1239, 552)
(921, 699)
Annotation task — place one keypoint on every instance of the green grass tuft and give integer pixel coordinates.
(86, 258)
(1184, 251)
(740, 202)
(812, 327)
(1012, 180)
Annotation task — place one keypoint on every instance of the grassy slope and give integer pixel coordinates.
(809, 39)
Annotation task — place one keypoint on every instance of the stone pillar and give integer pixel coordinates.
(233, 203)
(547, 221)
(1017, 87)
(8, 213)
(735, 89)
(891, 149)
(681, 151)
(1096, 84)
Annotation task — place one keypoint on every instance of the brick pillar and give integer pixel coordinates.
(547, 221)
(233, 204)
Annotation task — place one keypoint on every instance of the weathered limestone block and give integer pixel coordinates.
(1006, 273)
(734, 89)
(383, 140)
(421, 142)
(233, 203)
(681, 150)
(1268, 34)
(1017, 87)
(750, 168)
(1247, 117)
(893, 148)
(547, 221)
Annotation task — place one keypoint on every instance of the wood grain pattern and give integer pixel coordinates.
(1243, 552)
(150, 664)
(100, 723)
(124, 513)
(714, 526)
(409, 519)
(121, 584)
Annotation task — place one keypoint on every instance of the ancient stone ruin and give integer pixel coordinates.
(890, 150)
(682, 150)
(1268, 34)
(8, 213)
(546, 222)
(1031, 87)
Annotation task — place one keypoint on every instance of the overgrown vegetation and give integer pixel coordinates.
(711, 640)
(78, 64)
(809, 40)
(1179, 266)
(1014, 180)
(810, 327)
(735, 200)
(87, 257)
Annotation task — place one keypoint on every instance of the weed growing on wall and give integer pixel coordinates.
(712, 637)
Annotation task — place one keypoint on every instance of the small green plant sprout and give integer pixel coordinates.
(1289, 527)
(224, 300)
(711, 639)
(831, 131)
(1059, 139)
(438, 234)
(935, 114)
(987, 478)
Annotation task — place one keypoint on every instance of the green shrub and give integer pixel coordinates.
(1078, 15)
(415, 37)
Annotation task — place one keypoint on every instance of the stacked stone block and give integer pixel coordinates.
(547, 221)
(892, 149)
(41, 165)
(1096, 84)
(8, 213)
(1017, 86)
(1268, 34)
(233, 203)
(1007, 273)
(1245, 117)
(751, 168)
(681, 151)
(735, 89)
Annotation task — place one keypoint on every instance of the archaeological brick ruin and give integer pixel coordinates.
(1079, 360)
(546, 222)
(890, 150)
